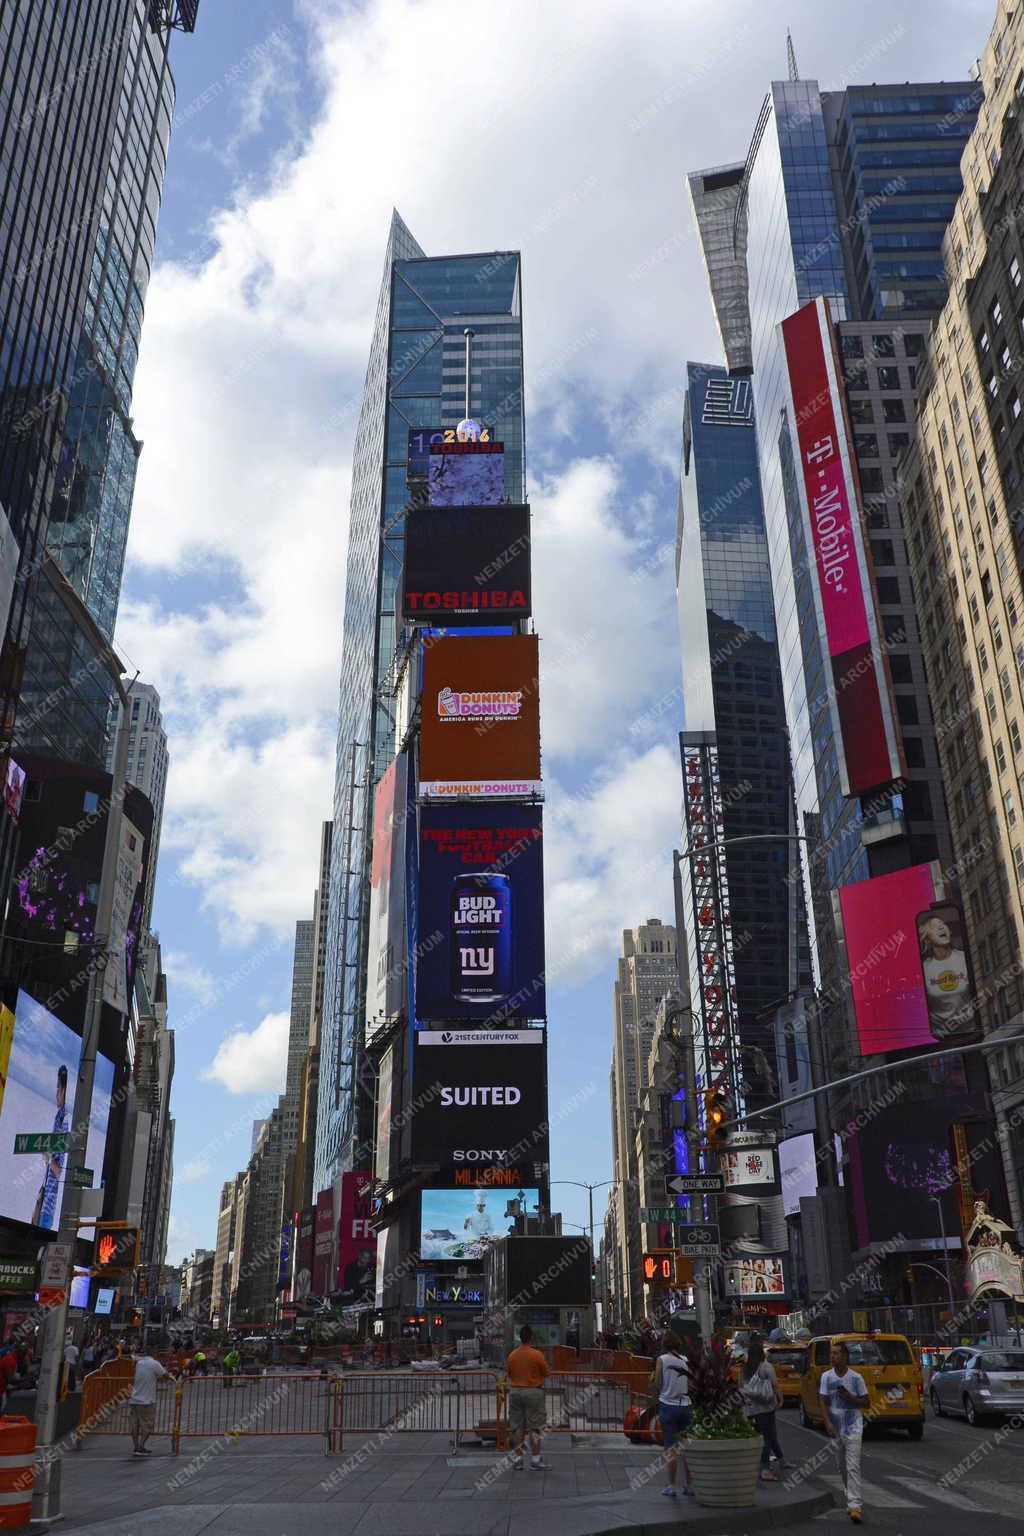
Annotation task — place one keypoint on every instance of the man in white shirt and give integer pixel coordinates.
(71, 1364)
(142, 1402)
(843, 1400)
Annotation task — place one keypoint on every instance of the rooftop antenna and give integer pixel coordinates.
(468, 333)
(794, 73)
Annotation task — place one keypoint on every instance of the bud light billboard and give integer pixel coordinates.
(481, 913)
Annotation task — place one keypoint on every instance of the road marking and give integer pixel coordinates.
(944, 1495)
(875, 1496)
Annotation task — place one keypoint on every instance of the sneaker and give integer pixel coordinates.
(143, 1452)
(668, 1492)
(538, 1464)
(687, 1492)
(517, 1463)
(855, 1514)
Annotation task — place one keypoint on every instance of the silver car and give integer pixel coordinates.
(979, 1382)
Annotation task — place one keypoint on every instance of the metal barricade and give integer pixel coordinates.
(592, 1402)
(416, 1402)
(289, 1403)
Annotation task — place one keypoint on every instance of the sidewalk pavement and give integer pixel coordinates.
(408, 1485)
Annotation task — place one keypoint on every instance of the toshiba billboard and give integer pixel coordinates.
(867, 743)
(480, 718)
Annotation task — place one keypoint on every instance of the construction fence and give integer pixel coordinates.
(462, 1404)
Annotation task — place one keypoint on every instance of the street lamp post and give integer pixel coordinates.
(937, 1202)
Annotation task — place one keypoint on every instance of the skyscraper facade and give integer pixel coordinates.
(645, 972)
(148, 762)
(963, 511)
(416, 377)
(743, 904)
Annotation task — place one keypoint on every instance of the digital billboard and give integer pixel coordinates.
(393, 823)
(860, 697)
(481, 892)
(755, 1277)
(463, 1223)
(466, 474)
(357, 1241)
(467, 564)
(798, 1171)
(105, 1300)
(906, 1155)
(38, 1101)
(305, 1221)
(549, 1272)
(480, 1105)
(746, 1166)
(878, 923)
(14, 788)
(422, 439)
(480, 718)
(385, 1088)
(323, 1224)
(947, 974)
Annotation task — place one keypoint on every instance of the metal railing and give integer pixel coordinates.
(449, 1402)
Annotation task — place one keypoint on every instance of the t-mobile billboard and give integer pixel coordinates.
(481, 913)
(867, 742)
(909, 980)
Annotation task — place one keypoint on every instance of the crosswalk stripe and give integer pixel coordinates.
(944, 1495)
(875, 1496)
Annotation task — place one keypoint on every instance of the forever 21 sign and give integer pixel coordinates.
(467, 565)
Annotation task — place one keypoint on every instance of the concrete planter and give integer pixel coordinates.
(724, 1473)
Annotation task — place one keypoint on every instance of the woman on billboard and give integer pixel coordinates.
(947, 981)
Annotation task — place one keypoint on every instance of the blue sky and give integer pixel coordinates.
(563, 130)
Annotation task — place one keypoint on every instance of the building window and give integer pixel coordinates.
(1009, 809)
(983, 655)
(1000, 752)
(982, 340)
(997, 313)
(1014, 738)
(893, 411)
(1015, 272)
(888, 378)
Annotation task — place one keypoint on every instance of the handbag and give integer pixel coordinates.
(761, 1391)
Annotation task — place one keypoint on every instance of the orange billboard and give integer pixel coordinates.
(480, 725)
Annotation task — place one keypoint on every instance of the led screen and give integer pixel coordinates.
(860, 699)
(467, 565)
(14, 788)
(480, 1105)
(480, 718)
(78, 1296)
(798, 1171)
(747, 1165)
(878, 922)
(42, 1074)
(393, 824)
(464, 1223)
(104, 1301)
(481, 893)
(755, 1277)
(947, 975)
(466, 474)
(357, 1242)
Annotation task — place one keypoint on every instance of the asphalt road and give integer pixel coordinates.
(956, 1480)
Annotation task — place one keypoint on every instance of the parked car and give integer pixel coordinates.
(979, 1382)
(790, 1362)
(890, 1372)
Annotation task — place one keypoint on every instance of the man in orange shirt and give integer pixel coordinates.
(527, 1369)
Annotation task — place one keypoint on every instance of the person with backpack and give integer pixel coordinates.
(761, 1396)
(672, 1389)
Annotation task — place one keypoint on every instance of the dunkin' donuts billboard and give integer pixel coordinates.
(480, 718)
(867, 742)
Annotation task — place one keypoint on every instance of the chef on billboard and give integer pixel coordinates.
(947, 979)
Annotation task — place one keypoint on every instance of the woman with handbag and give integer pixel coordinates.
(671, 1390)
(761, 1397)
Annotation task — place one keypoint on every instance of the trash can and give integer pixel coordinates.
(17, 1472)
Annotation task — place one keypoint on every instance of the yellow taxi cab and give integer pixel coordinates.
(891, 1374)
(790, 1362)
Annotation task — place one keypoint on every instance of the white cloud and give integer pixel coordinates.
(188, 974)
(192, 1172)
(250, 1060)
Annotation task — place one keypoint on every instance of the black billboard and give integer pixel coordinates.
(467, 565)
(479, 1106)
(548, 1272)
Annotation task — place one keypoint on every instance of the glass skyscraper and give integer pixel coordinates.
(416, 377)
(831, 187)
(735, 720)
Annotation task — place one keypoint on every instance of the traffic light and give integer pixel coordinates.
(714, 1116)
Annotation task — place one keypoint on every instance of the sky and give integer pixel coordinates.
(564, 130)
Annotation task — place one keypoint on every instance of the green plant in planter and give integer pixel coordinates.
(716, 1398)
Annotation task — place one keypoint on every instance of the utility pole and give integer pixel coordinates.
(46, 1494)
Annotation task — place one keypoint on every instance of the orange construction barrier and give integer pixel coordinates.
(17, 1471)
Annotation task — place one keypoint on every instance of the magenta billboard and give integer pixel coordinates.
(908, 975)
(860, 697)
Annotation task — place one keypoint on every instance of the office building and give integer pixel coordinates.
(735, 751)
(847, 196)
(646, 971)
(148, 761)
(416, 377)
(223, 1260)
(963, 525)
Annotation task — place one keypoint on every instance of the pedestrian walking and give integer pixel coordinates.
(761, 1396)
(71, 1365)
(142, 1402)
(232, 1360)
(527, 1369)
(843, 1400)
(672, 1391)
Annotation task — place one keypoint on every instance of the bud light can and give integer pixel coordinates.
(481, 938)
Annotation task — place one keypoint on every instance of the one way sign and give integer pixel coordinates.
(696, 1183)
